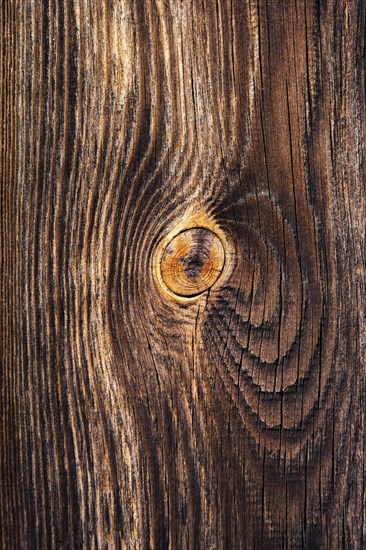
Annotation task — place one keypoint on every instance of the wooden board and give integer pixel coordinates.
(183, 256)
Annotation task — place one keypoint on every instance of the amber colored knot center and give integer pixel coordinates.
(192, 261)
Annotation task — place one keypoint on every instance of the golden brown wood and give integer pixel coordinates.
(167, 393)
(192, 261)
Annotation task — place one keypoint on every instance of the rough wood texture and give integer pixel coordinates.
(136, 415)
(192, 262)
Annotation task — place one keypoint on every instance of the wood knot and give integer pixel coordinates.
(192, 261)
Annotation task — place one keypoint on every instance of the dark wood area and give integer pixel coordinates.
(183, 274)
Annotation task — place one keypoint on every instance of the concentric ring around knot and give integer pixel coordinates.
(192, 261)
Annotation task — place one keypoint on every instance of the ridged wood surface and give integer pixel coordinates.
(199, 393)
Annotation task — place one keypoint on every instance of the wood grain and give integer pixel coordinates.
(211, 394)
(192, 262)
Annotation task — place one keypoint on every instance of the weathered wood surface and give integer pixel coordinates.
(210, 394)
